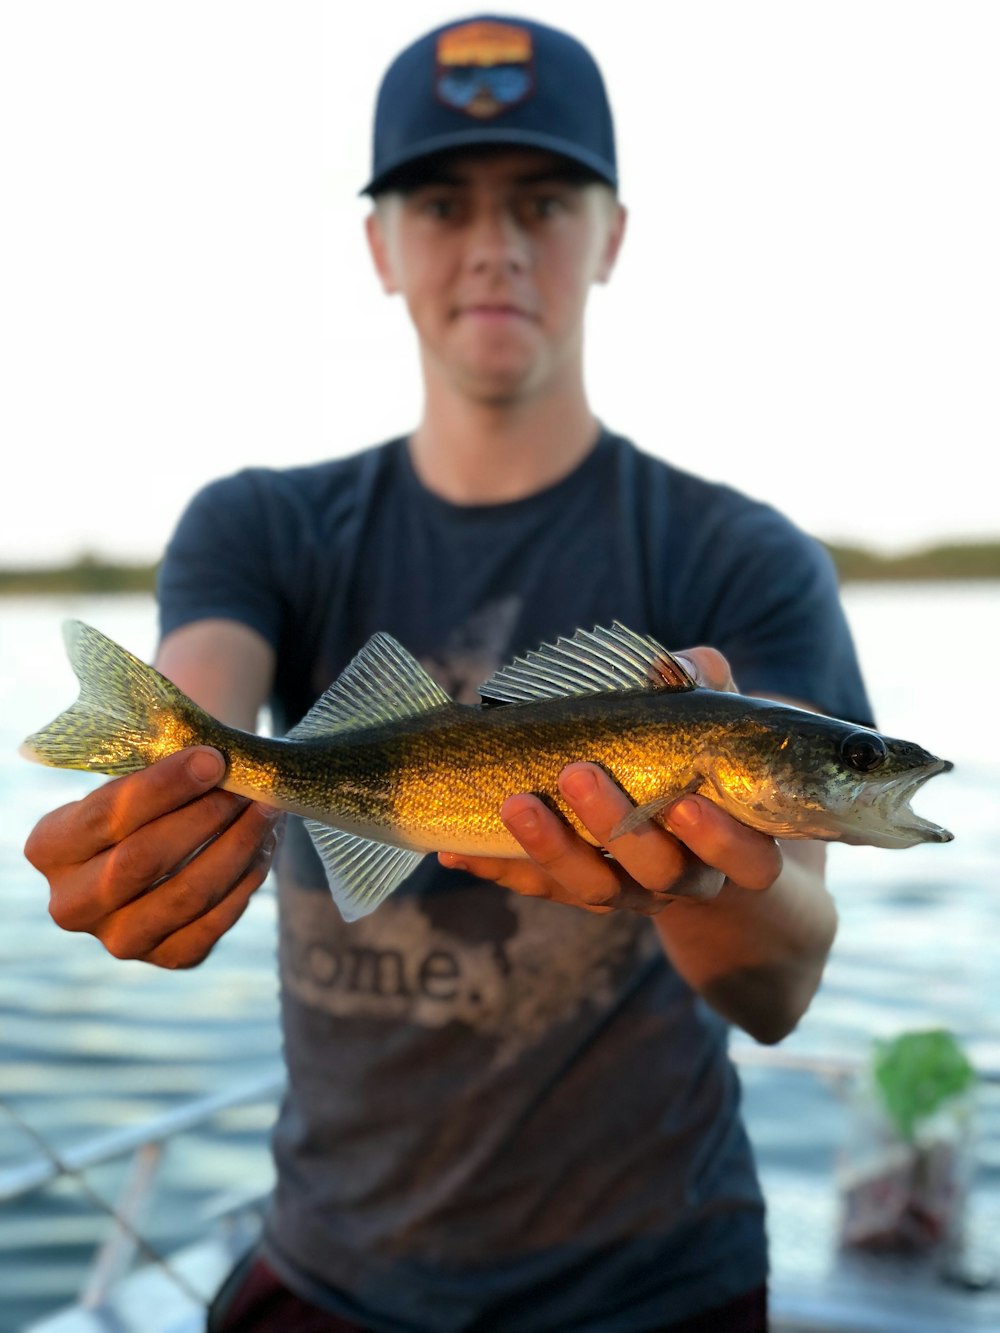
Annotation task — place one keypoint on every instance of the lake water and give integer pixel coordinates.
(88, 1043)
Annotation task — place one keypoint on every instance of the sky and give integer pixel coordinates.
(807, 305)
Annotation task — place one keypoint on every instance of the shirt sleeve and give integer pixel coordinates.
(775, 612)
(220, 561)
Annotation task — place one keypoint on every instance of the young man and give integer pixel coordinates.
(509, 1103)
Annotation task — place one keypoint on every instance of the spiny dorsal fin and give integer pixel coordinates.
(381, 683)
(591, 662)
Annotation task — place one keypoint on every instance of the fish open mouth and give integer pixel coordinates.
(882, 816)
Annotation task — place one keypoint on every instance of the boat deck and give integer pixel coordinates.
(816, 1286)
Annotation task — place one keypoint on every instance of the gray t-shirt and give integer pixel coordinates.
(503, 1113)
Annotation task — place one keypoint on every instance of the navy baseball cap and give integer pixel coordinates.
(492, 81)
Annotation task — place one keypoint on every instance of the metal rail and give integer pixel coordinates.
(27, 1177)
(145, 1142)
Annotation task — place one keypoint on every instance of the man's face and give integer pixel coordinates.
(494, 255)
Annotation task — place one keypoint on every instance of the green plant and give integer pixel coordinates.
(918, 1072)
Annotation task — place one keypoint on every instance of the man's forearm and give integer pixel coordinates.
(757, 956)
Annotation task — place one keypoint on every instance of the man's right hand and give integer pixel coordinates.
(159, 864)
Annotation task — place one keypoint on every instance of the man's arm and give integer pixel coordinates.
(224, 666)
(747, 923)
(758, 958)
(161, 863)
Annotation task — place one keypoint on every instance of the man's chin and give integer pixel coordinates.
(508, 369)
(501, 388)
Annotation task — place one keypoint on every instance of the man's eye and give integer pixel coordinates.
(438, 207)
(545, 205)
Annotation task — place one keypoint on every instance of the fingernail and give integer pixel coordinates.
(523, 822)
(451, 862)
(684, 815)
(688, 665)
(206, 766)
(578, 783)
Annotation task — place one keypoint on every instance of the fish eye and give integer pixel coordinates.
(863, 751)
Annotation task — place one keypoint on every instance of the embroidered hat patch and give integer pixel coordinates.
(484, 67)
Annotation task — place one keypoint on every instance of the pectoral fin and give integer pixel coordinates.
(361, 873)
(643, 813)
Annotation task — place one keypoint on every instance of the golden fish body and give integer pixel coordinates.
(386, 768)
(437, 782)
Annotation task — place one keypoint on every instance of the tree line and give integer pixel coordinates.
(92, 574)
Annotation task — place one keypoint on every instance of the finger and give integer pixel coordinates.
(510, 872)
(87, 893)
(79, 831)
(579, 872)
(191, 945)
(562, 866)
(142, 926)
(161, 848)
(747, 858)
(709, 668)
(648, 854)
(708, 846)
(522, 875)
(525, 877)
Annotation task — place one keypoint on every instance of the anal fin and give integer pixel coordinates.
(361, 873)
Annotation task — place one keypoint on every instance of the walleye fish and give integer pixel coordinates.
(386, 767)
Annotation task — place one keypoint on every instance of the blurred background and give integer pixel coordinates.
(806, 306)
(808, 303)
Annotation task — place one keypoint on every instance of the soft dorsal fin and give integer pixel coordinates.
(598, 661)
(381, 683)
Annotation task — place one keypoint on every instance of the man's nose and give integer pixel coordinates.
(496, 241)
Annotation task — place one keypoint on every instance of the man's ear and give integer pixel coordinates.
(379, 250)
(616, 234)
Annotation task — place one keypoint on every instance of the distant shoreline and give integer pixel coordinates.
(957, 560)
(92, 574)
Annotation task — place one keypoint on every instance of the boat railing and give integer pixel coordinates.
(152, 1134)
(144, 1144)
(37, 1174)
(27, 1177)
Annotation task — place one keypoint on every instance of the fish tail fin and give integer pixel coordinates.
(127, 714)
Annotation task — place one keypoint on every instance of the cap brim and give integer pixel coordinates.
(481, 137)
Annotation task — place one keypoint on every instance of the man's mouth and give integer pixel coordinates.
(494, 311)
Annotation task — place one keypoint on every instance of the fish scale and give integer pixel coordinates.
(386, 768)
